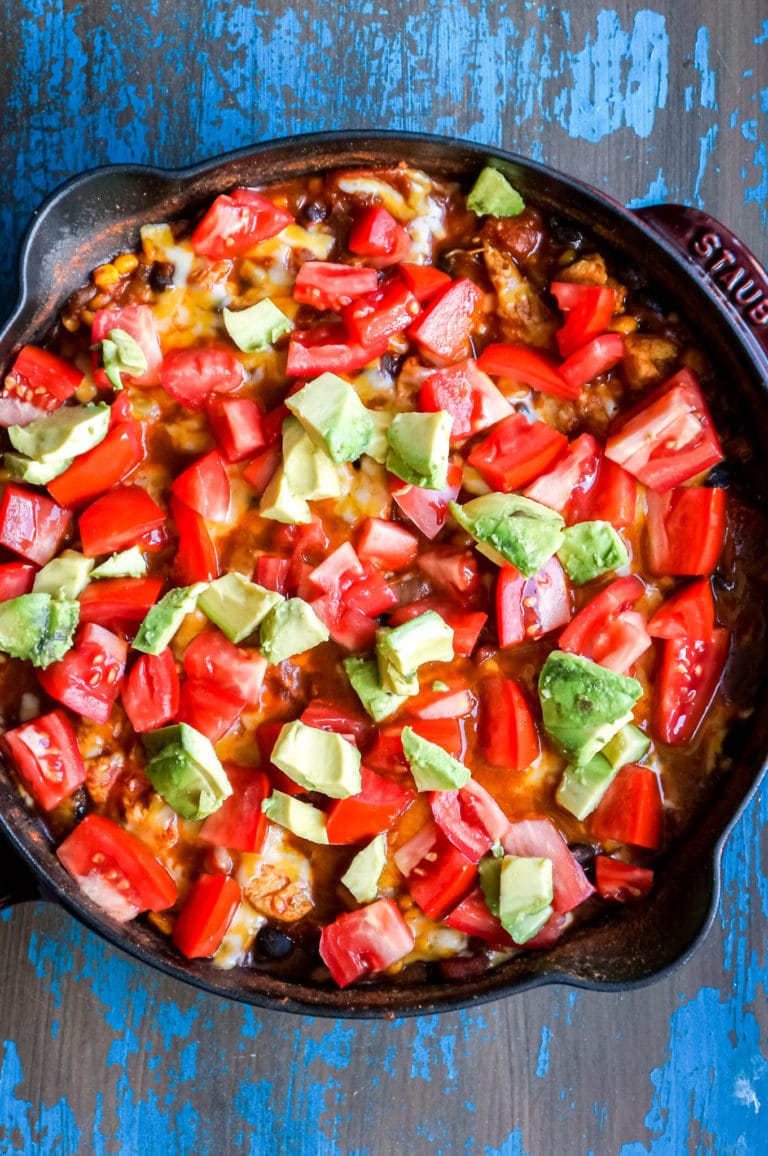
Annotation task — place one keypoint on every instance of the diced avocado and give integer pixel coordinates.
(511, 528)
(165, 618)
(362, 875)
(318, 760)
(63, 434)
(65, 576)
(333, 414)
(257, 327)
(525, 895)
(185, 771)
(279, 502)
(493, 196)
(628, 745)
(590, 549)
(584, 705)
(290, 628)
(378, 446)
(400, 651)
(433, 769)
(301, 819)
(490, 880)
(33, 472)
(237, 605)
(122, 353)
(380, 704)
(127, 564)
(37, 627)
(420, 445)
(309, 471)
(582, 788)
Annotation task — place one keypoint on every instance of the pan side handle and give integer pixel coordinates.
(17, 883)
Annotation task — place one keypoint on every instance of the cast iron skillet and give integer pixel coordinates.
(722, 291)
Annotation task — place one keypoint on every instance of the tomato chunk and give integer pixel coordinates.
(150, 694)
(88, 678)
(528, 608)
(620, 881)
(118, 519)
(139, 323)
(444, 329)
(101, 468)
(196, 559)
(206, 915)
(588, 310)
(205, 488)
(377, 234)
(427, 509)
(516, 452)
(468, 395)
(328, 348)
(574, 471)
(41, 379)
(16, 578)
(607, 630)
(686, 529)
(329, 286)
(240, 824)
(192, 376)
(237, 669)
(373, 810)
(46, 757)
(31, 525)
(530, 366)
(208, 707)
(238, 426)
(473, 917)
(111, 601)
(236, 222)
(365, 941)
(507, 729)
(390, 546)
(596, 357)
(381, 314)
(612, 497)
(469, 818)
(631, 810)
(540, 837)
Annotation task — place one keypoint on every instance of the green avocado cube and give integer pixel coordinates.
(185, 771)
(433, 769)
(237, 605)
(401, 650)
(281, 504)
(290, 627)
(33, 472)
(301, 819)
(525, 895)
(165, 617)
(65, 576)
(363, 874)
(493, 196)
(583, 704)
(628, 745)
(590, 549)
(420, 445)
(582, 788)
(258, 327)
(378, 446)
(334, 416)
(127, 564)
(318, 760)
(63, 434)
(380, 704)
(59, 635)
(310, 473)
(511, 528)
(37, 627)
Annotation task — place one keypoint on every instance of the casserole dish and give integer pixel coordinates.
(711, 279)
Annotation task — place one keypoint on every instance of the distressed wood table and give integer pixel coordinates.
(650, 102)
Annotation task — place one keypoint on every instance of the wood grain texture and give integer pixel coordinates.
(650, 103)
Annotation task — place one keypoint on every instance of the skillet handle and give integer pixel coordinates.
(17, 883)
(719, 259)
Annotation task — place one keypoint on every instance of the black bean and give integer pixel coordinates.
(315, 211)
(391, 363)
(567, 235)
(584, 854)
(161, 275)
(273, 944)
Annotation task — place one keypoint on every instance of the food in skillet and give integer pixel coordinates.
(356, 598)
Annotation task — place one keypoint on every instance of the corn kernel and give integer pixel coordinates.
(87, 316)
(100, 301)
(623, 324)
(125, 263)
(70, 323)
(105, 275)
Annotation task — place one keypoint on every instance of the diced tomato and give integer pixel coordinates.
(109, 601)
(424, 281)
(574, 471)
(240, 824)
(588, 361)
(364, 941)
(329, 286)
(328, 348)
(469, 818)
(427, 509)
(205, 487)
(351, 628)
(473, 917)
(453, 700)
(588, 310)
(612, 497)
(381, 314)
(516, 452)
(669, 438)
(121, 409)
(686, 529)
(376, 233)
(96, 471)
(528, 608)
(386, 753)
(631, 810)
(206, 915)
(371, 594)
(239, 670)
(620, 881)
(343, 720)
(115, 870)
(88, 678)
(530, 366)
(196, 557)
(236, 222)
(259, 472)
(41, 379)
(444, 328)
(191, 376)
(45, 755)
(452, 570)
(207, 707)
(687, 613)
(541, 838)
(373, 810)
(468, 395)
(339, 570)
(139, 323)
(465, 624)
(386, 544)
(442, 878)
(150, 694)
(607, 630)
(16, 578)
(237, 424)
(274, 573)
(31, 525)
(507, 731)
(118, 519)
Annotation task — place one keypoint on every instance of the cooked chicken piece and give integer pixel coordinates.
(648, 358)
(589, 270)
(523, 315)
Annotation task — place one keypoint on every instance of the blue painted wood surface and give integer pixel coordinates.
(100, 1055)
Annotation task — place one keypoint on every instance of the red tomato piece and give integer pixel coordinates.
(373, 810)
(328, 347)
(588, 361)
(612, 497)
(88, 678)
(240, 824)
(150, 694)
(530, 366)
(588, 311)
(237, 424)
(473, 917)
(445, 326)
(16, 578)
(139, 323)
(452, 570)
(41, 379)
(339, 570)
(686, 529)
(206, 915)
(386, 752)
(46, 757)
(110, 601)
(465, 624)
(607, 630)
(540, 837)
(205, 487)
(207, 707)
(424, 281)
(516, 452)
(31, 525)
(329, 716)
(376, 233)
(370, 595)
(669, 438)
(442, 878)
(468, 395)
(237, 669)
(118, 519)
(688, 613)
(237, 221)
(690, 672)
(364, 941)
(507, 731)
(386, 544)
(196, 557)
(259, 472)
(115, 869)
(574, 471)
(379, 315)
(427, 509)
(192, 376)
(620, 881)
(274, 573)
(528, 608)
(96, 471)
(329, 286)
(469, 818)
(631, 810)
